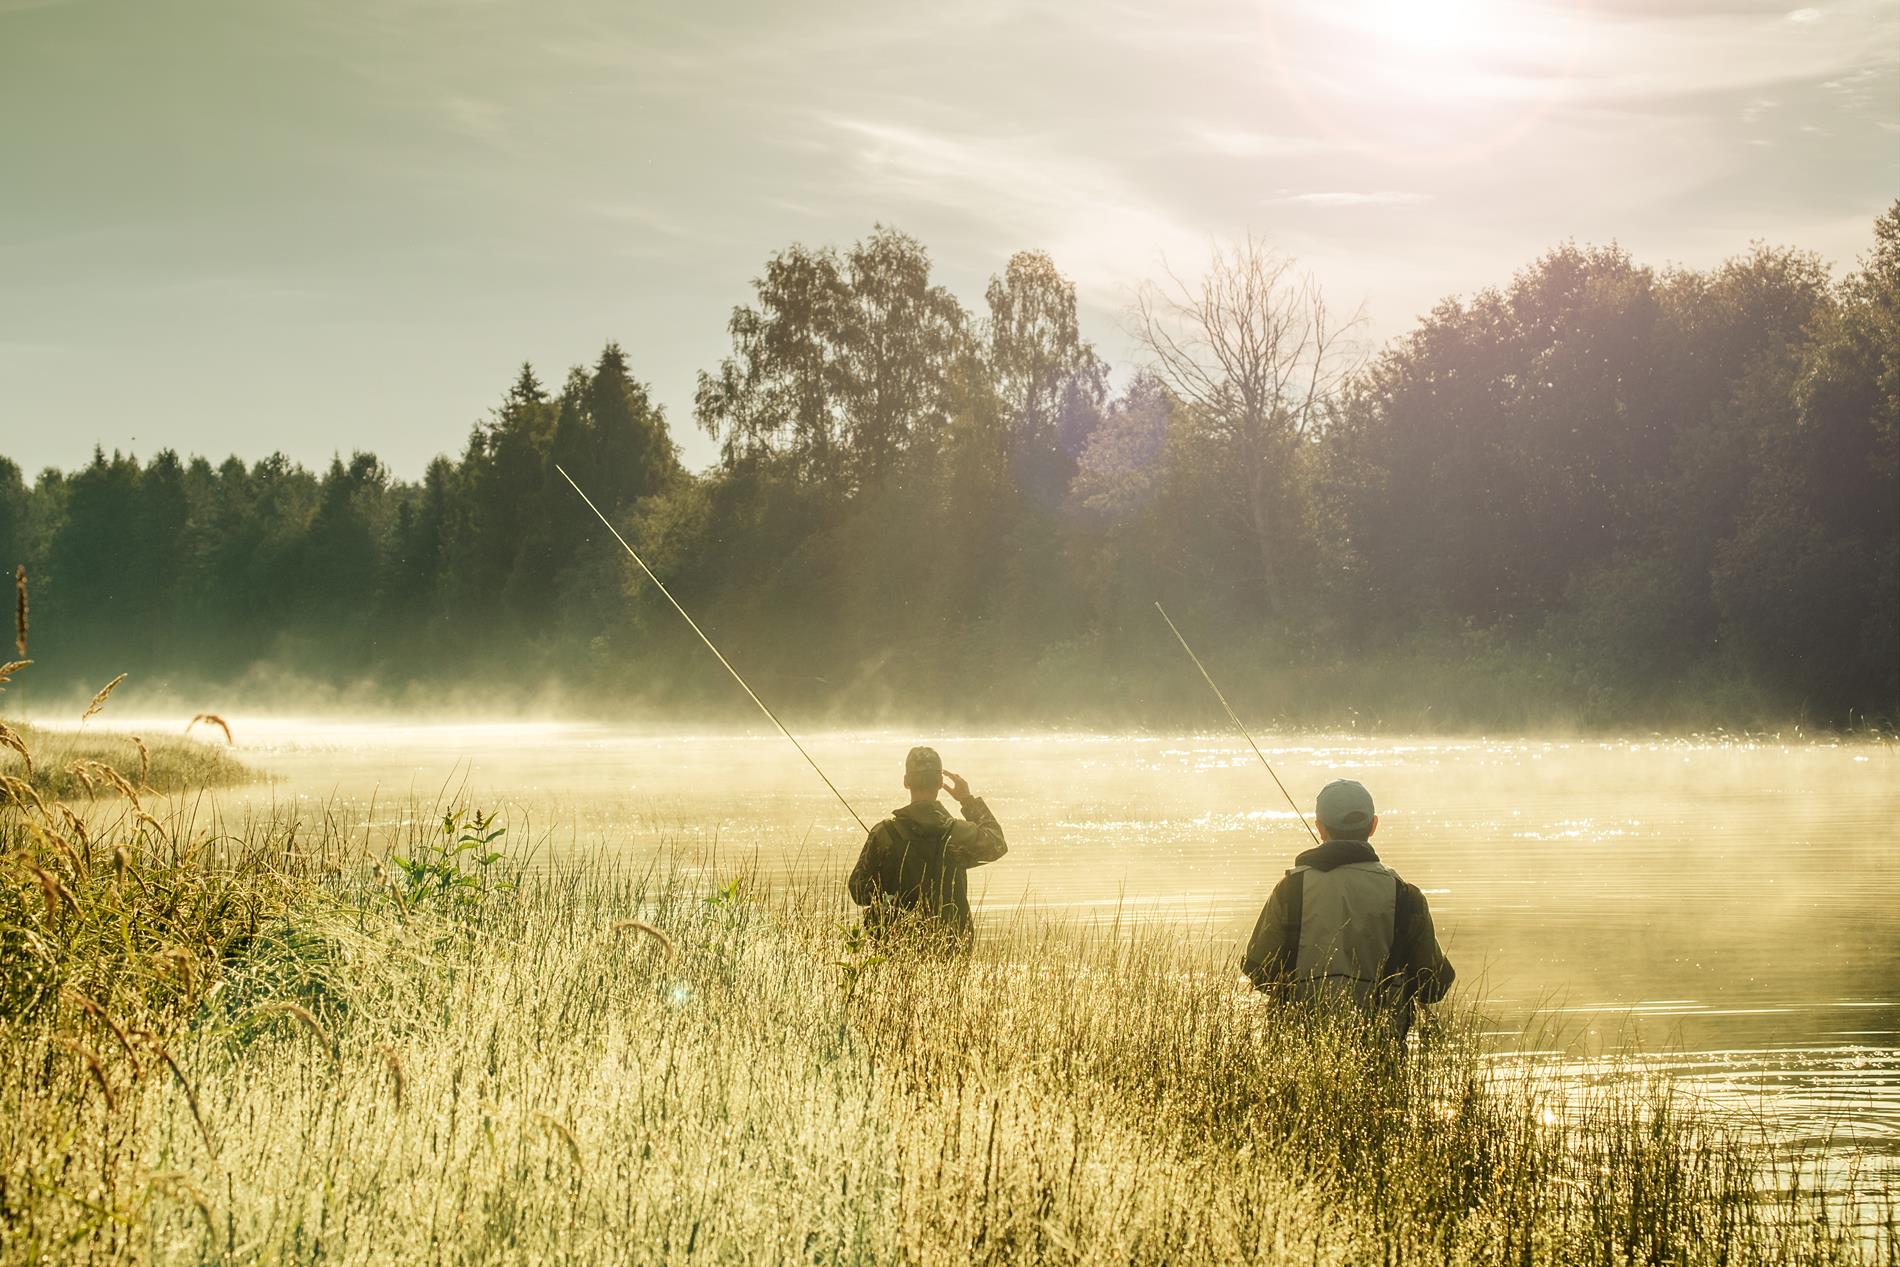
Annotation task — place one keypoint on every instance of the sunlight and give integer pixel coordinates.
(1427, 25)
(1421, 79)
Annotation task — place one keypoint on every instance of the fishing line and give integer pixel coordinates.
(1237, 725)
(661, 586)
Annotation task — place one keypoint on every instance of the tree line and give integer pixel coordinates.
(1604, 492)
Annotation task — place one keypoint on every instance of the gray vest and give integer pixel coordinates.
(1346, 927)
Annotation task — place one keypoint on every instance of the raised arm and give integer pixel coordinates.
(977, 840)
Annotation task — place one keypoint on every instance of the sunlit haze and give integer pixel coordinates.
(321, 227)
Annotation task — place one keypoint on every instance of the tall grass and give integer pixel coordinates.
(269, 1045)
(65, 762)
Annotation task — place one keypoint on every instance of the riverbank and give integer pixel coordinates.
(321, 1040)
(79, 764)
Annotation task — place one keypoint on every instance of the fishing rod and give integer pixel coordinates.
(1208, 678)
(661, 586)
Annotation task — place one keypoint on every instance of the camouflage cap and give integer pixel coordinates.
(923, 767)
(1344, 805)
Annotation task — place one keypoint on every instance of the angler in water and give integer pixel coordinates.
(1342, 925)
(913, 873)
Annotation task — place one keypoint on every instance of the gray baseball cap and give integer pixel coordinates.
(923, 767)
(1344, 805)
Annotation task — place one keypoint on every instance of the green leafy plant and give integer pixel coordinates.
(727, 895)
(858, 958)
(456, 869)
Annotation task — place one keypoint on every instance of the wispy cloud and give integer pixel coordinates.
(1022, 191)
(1241, 143)
(472, 117)
(1349, 198)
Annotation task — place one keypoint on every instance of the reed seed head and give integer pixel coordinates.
(90, 1059)
(99, 700)
(648, 930)
(212, 719)
(10, 738)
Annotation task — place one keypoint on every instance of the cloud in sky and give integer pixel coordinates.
(1347, 198)
(321, 224)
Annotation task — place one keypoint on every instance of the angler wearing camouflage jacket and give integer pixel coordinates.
(913, 872)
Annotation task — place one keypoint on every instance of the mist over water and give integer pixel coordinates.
(1731, 910)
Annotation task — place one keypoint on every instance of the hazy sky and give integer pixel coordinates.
(319, 225)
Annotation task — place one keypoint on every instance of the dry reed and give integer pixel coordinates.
(212, 719)
(94, 1066)
(98, 1013)
(191, 1095)
(22, 793)
(306, 1018)
(10, 738)
(19, 610)
(648, 930)
(398, 1080)
(559, 1127)
(99, 700)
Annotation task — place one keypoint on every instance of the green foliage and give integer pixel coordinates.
(1631, 494)
(456, 870)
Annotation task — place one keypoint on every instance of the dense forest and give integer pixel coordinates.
(1605, 494)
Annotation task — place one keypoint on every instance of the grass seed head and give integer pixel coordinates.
(90, 1058)
(10, 738)
(21, 793)
(559, 1127)
(303, 1016)
(641, 926)
(212, 719)
(55, 891)
(398, 1080)
(98, 1013)
(11, 667)
(191, 1092)
(99, 700)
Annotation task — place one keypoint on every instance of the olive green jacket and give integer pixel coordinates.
(915, 865)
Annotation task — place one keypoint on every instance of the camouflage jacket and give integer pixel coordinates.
(915, 864)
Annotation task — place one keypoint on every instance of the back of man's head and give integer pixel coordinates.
(1345, 810)
(923, 771)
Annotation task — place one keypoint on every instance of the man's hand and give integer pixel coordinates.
(957, 786)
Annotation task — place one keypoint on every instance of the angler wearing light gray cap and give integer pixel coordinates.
(913, 873)
(1343, 924)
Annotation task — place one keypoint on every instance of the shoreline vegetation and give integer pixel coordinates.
(1599, 495)
(318, 1040)
(75, 764)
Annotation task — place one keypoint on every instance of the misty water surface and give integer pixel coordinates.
(1727, 908)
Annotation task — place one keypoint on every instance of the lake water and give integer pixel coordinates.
(1729, 909)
